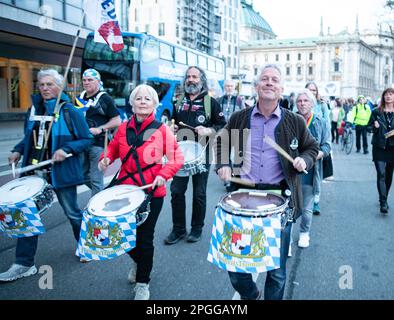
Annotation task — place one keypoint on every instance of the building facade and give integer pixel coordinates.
(210, 26)
(36, 34)
(343, 65)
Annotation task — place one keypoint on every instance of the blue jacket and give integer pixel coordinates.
(321, 132)
(68, 172)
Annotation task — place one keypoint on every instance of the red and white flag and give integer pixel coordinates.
(101, 13)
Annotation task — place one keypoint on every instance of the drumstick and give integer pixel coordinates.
(278, 148)
(32, 167)
(141, 188)
(186, 125)
(13, 169)
(389, 134)
(245, 182)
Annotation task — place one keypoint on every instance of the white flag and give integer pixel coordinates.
(101, 13)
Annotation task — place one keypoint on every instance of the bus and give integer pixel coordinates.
(147, 59)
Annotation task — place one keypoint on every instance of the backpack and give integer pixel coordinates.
(207, 105)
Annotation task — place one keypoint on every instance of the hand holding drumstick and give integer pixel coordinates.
(298, 163)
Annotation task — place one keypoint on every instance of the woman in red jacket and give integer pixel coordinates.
(141, 144)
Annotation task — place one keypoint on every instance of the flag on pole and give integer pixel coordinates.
(101, 13)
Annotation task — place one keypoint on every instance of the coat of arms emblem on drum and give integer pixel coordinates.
(243, 243)
(13, 219)
(103, 235)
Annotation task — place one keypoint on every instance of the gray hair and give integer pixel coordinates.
(268, 66)
(58, 78)
(309, 94)
(152, 93)
(203, 77)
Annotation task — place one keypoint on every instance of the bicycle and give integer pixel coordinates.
(347, 138)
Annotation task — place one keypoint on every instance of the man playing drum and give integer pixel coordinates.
(194, 109)
(258, 162)
(69, 134)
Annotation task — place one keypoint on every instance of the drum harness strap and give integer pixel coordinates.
(136, 141)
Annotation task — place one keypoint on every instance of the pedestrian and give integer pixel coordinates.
(360, 115)
(337, 114)
(322, 110)
(230, 101)
(382, 123)
(197, 109)
(311, 182)
(259, 163)
(64, 175)
(101, 114)
(141, 144)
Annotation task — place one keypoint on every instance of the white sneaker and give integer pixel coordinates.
(289, 253)
(17, 271)
(303, 241)
(133, 272)
(141, 291)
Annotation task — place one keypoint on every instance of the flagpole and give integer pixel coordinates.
(57, 106)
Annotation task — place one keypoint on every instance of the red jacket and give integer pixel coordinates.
(161, 142)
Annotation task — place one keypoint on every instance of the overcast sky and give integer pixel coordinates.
(301, 18)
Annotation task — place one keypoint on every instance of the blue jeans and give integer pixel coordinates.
(276, 279)
(94, 178)
(26, 247)
(307, 210)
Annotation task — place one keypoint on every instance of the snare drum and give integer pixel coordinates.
(193, 153)
(246, 231)
(109, 223)
(22, 201)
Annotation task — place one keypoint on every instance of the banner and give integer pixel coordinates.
(101, 13)
(245, 244)
(21, 220)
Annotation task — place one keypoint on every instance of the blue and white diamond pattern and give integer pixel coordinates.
(28, 225)
(225, 259)
(126, 224)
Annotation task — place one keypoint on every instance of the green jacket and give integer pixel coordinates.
(341, 116)
(360, 114)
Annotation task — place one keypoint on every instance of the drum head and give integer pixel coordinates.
(191, 150)
(21, 189)
(116, 201)
(253, 203)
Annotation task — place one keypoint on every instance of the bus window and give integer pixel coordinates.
(166, 51)
(202, 62)
(211, 65)
(191, 59)
(180, 55)
(160, 87)
(101, 51)
(150, 51)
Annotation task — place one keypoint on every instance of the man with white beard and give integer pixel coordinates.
(196, 109)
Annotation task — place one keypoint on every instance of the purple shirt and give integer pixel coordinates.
(261, 162)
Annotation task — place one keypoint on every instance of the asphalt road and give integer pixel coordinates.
(350, 255)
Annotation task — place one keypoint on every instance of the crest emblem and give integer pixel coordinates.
(13, 219)
(201, 119)
(101, 234)
(243, 243)
(294, 144)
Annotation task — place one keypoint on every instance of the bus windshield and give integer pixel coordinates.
(102, 52)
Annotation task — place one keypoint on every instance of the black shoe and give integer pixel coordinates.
(194, 236)
(384, 208)
(366, 152)
(358, 151)
(174, 237)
